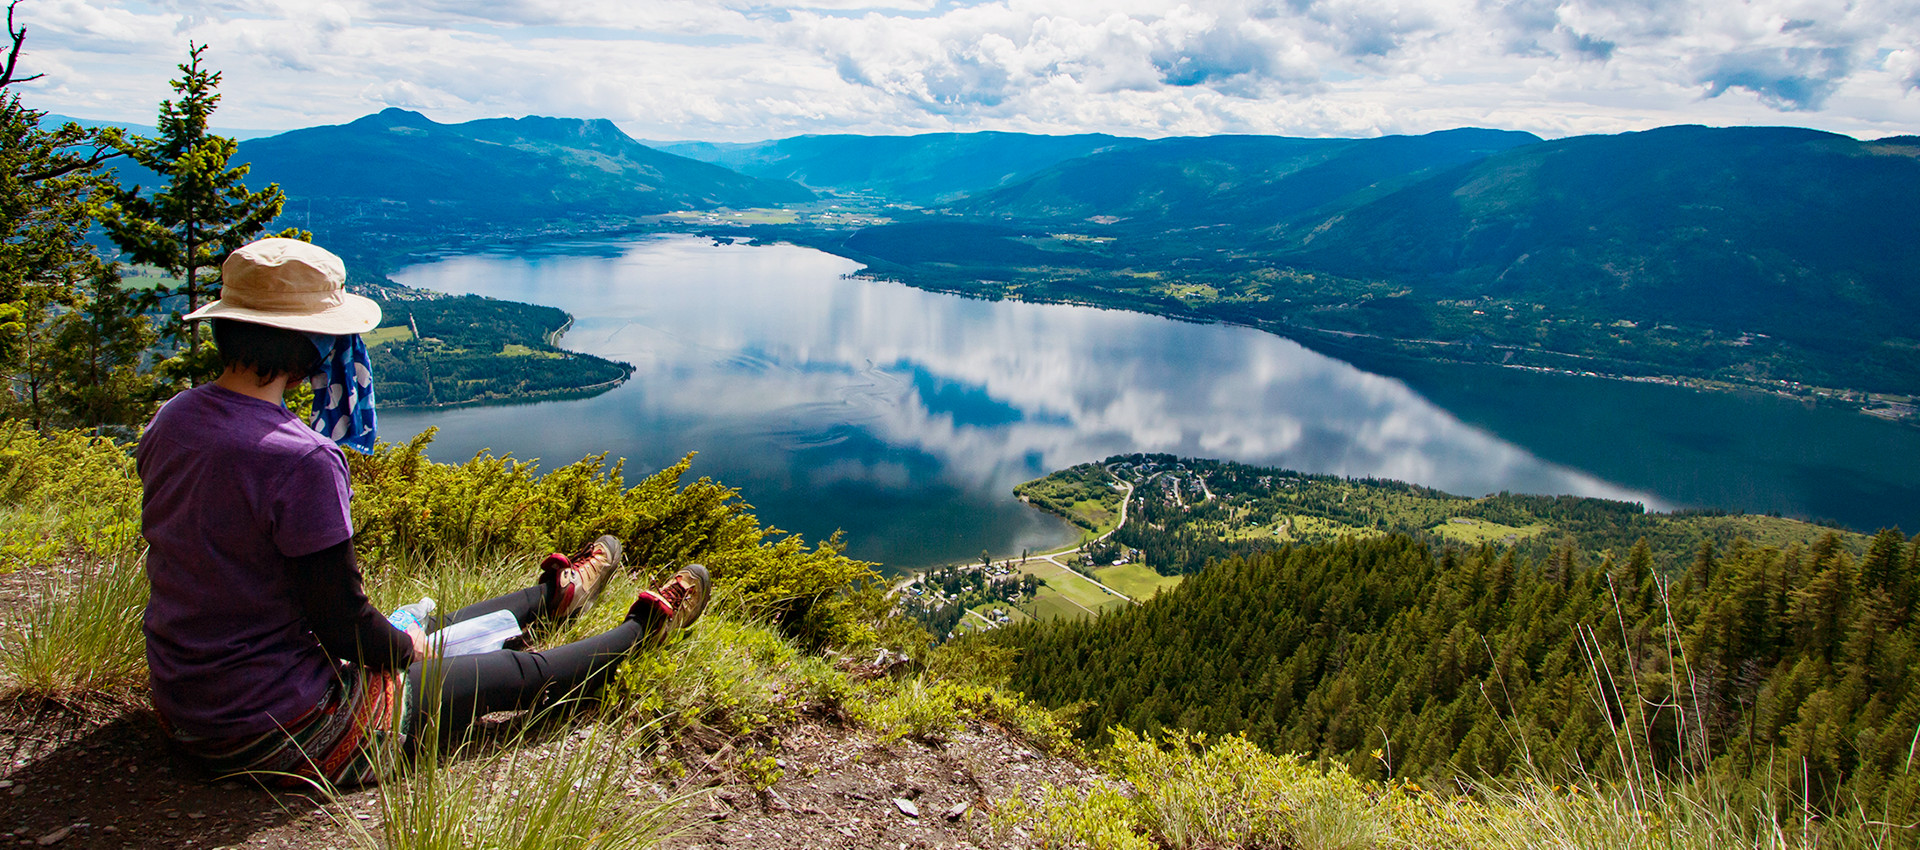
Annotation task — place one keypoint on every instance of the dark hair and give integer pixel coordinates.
(267, 350)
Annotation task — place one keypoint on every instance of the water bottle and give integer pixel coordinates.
(412, 615)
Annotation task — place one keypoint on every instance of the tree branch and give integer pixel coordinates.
(19, 36)
(99, 156)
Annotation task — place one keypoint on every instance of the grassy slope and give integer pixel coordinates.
(742, 680)
(1290, 508)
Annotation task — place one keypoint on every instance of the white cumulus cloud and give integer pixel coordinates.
(744, 69)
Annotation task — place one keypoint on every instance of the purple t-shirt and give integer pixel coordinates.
(233, 487)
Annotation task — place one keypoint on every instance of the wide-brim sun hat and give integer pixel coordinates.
(287, 283)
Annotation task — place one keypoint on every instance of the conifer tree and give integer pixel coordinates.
(98, 349)
(50, 189)
(203, 211)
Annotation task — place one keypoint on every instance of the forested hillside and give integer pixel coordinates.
(397, 172)
(1186, 512)
(466, 350)
(926, 168)
(1791, 670)
(1245, 183)
(1783, 231)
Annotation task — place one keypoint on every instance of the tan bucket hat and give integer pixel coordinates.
(287, 283)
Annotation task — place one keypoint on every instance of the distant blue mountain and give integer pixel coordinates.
(1254, 182)
(148, 130)
(1793, 231)
(400, 166)
(923, 169)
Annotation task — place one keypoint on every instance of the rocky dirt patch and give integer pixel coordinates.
(107, 780)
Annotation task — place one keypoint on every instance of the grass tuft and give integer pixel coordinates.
(80, 643)
(580, 794)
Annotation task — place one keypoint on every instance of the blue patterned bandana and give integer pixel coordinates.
(343, 391)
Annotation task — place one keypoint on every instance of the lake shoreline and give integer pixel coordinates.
(1883, 406)
(827, 431)
(1887, 407)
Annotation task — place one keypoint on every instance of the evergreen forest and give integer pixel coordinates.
(1785, 671)
(469, 349)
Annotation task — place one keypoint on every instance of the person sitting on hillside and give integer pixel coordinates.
(263, 652)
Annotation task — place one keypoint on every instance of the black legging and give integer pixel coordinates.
(470, 686)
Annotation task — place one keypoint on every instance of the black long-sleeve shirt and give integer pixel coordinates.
(327, 585)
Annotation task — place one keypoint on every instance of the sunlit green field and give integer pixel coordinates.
(391, 333)
(971, 623)
(1474, 532)
(145, 277)
(1135, 580)
(1299, 528)
(1049, 604)
(1071, 587)
(749, 216)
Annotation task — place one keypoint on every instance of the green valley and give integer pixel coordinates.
(1402, 633)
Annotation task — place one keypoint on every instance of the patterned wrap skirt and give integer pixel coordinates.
(339, 742)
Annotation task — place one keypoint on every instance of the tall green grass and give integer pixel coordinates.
(70, 508)
(79, 643)
(574, 791)
(1187, 791)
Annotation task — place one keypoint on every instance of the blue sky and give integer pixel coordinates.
(737, 70)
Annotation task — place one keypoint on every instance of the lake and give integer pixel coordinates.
(905, 417)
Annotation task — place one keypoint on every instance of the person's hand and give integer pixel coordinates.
(422, 650)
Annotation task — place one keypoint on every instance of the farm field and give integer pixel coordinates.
(1138, 581)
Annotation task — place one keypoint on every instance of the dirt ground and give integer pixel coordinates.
(73, 782)
(102, 776)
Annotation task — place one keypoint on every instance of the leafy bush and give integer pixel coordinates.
(64, 490)
(929, 710)
(408, 509)
(728, 675)
(1191, 791)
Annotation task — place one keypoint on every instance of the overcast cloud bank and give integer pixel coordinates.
(739, 70)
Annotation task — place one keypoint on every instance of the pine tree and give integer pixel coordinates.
(202, 213)
(50, 187)
(99, 347)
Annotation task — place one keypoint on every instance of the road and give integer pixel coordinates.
(1126, 501)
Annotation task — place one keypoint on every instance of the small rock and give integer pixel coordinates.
(196, 815)
(55, 837)
(6, 783)
(109, 829)
(958, 810)
(906, 807)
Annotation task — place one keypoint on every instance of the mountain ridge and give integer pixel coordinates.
(493, 169)
(925, 168)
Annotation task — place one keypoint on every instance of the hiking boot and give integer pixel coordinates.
(573, 582)
(679, 601)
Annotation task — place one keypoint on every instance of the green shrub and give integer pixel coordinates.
(927, 709)
(726, 674)
(63, 491)
(408, 509)
(1103, 819)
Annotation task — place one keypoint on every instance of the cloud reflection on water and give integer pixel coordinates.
(793, 381)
